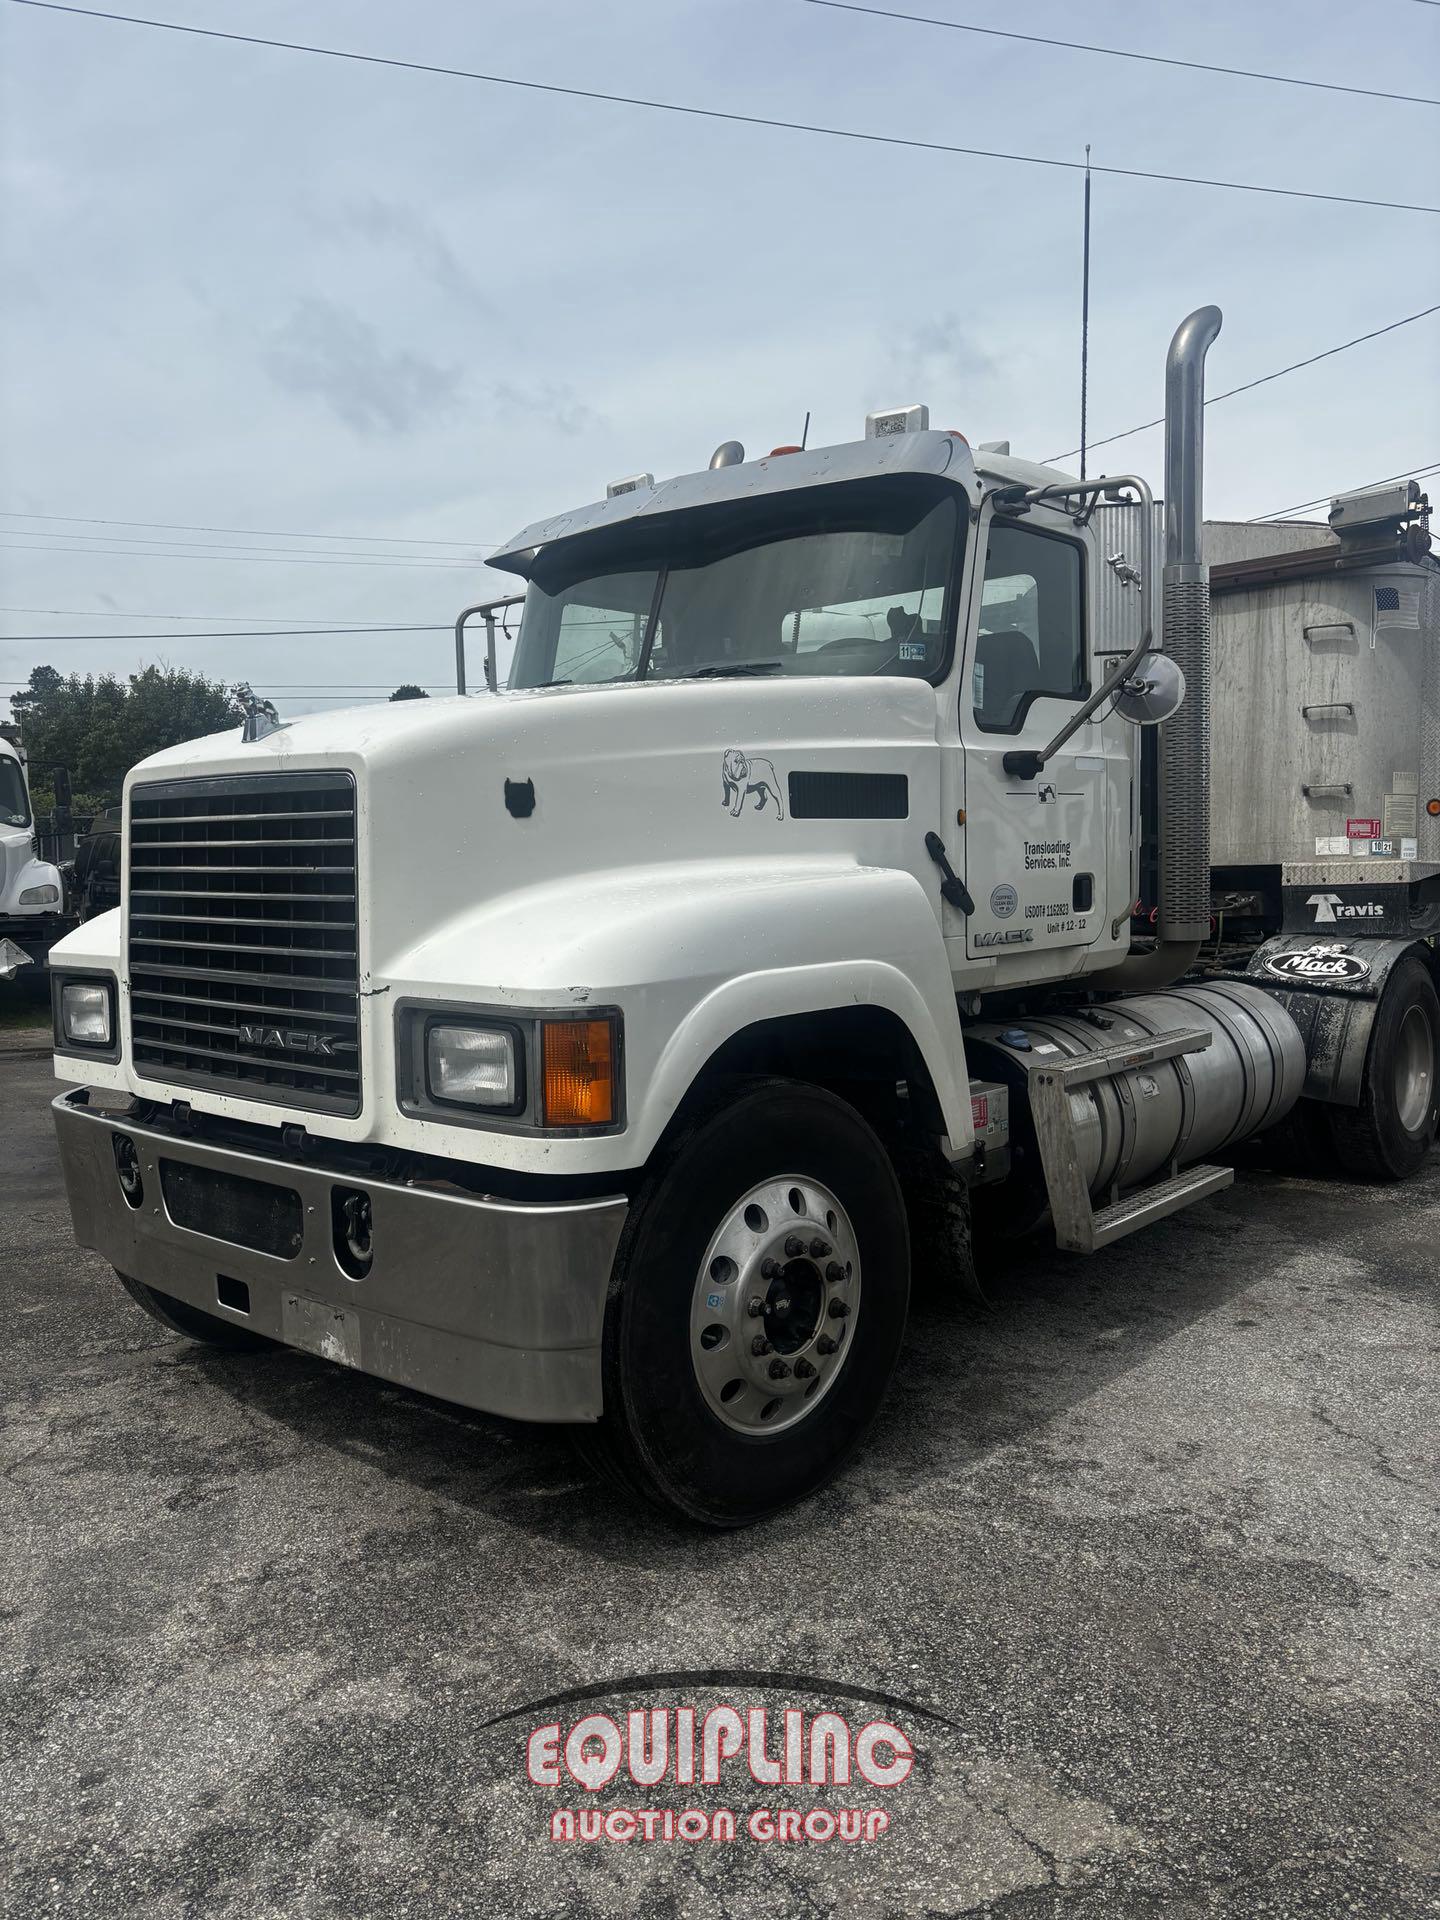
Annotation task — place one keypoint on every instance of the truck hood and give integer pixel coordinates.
(464, 801)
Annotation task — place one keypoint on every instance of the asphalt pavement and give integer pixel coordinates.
(1143, 1560)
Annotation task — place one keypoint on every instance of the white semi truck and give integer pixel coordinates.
(782, 907)
(31, 892)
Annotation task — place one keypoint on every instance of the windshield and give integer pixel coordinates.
(849, 579)
(14, 807)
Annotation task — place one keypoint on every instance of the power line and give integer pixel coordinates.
(312, 690)
(1123, 53)
(268, 533)
(249, 559)
(717, 113)
(1410, 473)
(143, 542)
(116, 613)
(1264, 379)
(231, 633)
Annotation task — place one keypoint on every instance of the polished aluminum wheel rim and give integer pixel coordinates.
(1414, 1069)
(775, 1305)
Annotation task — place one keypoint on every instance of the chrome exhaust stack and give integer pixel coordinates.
(1183, 920)
(1184, 760)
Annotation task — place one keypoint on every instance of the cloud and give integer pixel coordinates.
(336, 356)
(939, 355)
(388, 223)
(555, 404)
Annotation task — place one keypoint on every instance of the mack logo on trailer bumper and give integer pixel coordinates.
(1317, 963)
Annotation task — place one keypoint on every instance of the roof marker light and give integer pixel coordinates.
(881, 426)
(634, 483)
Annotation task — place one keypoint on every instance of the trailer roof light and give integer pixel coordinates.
(882, 426)
(579, 1064)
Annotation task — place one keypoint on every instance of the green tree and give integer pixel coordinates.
(409, 692)
(99, 727)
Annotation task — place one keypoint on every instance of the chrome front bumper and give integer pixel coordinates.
(495, 1304)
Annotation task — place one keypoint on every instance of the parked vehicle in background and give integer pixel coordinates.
(32, 896)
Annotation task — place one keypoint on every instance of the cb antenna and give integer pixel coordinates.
(806, 434)
(1085, 318)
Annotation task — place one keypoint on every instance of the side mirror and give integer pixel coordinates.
(1153, 693)
(60, 786)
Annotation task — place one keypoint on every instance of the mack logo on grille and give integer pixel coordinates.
(294, 1040)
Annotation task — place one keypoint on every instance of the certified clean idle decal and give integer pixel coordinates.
(741, 776)
(1003, 901)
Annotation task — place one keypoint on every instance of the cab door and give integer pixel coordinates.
(1035, 848)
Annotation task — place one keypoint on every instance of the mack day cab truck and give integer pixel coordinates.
(783, 906)
(32, 912)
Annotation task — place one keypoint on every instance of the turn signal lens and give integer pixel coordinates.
(578, 1058)
(1432, 807)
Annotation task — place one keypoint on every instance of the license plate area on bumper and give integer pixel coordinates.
(231, 1206)
(496, 1304)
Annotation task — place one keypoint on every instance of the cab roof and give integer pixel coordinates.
(942, 455)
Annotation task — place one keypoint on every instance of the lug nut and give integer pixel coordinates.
(794, 1247)
(839, 1309)
(755, 1306)
(779, 1370)
(819, 1249)
(769, 1269)
(803, 1370)
(834, 1273)
(760, 1346)
(826, 1345)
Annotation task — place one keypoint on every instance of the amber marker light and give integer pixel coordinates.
(578, 1069)
(1432, 807)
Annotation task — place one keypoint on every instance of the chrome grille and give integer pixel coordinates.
(243, 937)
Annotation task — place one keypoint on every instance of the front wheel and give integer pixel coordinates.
(756, 1307)
(1389, 1134)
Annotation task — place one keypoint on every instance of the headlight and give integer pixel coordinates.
(85, 1013)
(474, 1067)
(46, 896)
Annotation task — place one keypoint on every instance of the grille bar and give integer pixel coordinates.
(218, 958)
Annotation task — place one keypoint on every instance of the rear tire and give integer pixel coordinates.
(179, 1317)
(693, 1419)
(1389, 1134)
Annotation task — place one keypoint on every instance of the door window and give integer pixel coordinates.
(1032, 626)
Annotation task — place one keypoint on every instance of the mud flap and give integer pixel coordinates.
(1331, 989)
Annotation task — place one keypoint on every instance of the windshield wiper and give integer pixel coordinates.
(734, 670)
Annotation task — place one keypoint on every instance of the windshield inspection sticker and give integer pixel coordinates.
(1317, 963)
(741, 776)
(1003, 901)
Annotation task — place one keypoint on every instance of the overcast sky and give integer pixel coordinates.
(260, 289)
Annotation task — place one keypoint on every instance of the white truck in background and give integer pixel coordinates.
(782, 912)
(31, 891)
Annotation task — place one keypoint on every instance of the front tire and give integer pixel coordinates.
(756, 1308)
(1389, 1134)
(208, 1328)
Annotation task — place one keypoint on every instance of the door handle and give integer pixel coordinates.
(952, 887)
